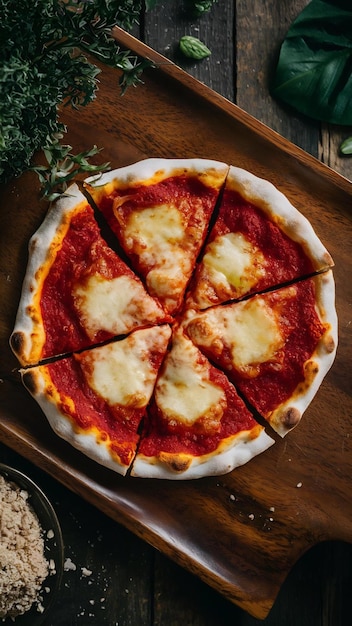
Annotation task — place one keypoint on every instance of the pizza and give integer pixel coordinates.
(160, 217)
(102, 394)
(77, 290)
(258, 241)
(275, 346)
(196, 420)
(175, 316)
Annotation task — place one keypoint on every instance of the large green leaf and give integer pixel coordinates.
(314, 71)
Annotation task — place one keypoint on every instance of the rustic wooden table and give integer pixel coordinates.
(113, 577)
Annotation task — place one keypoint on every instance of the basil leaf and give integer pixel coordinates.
(314, 71)
(193, 48)
(346, 146)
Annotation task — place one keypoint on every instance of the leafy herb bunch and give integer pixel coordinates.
(43, 64)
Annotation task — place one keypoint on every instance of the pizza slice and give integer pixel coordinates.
(276, 347)
(96, 400)
(77, 291)
(258, 241)
(197, 424)
(160, 210)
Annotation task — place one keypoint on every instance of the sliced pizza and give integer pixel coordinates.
(258, 241)
(209, 321)
(197, 424)
(96, 400)
(276, 347)
(160, 210)
(77, 291)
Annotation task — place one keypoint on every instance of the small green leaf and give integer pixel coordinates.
(346, 146)
(63, 167)
(193, 48)
(197, 8)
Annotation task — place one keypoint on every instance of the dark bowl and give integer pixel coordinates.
(53, 548)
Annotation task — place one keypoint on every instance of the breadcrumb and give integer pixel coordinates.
(23, 566)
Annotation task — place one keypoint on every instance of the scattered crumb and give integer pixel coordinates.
(299, 485)
(69, 565)
(86, 572)
(251, 516)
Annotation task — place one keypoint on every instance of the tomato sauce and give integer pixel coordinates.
(160, 437)
(115, 425)
(194, 200)
(278, 379)
(285, 258)
(83, 253)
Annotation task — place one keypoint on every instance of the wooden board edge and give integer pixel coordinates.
(168, 67)
(239, 593)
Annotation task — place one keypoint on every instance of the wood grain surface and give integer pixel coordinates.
(243, 533)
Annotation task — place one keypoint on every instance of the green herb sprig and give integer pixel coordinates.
(63, 166)
(43, 65)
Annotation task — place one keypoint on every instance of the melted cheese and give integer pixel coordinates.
(249, 329)
(232, 261)
(122, 372)
(184, 392)
(112, 305)
(157, 234)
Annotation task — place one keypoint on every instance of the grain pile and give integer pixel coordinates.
(23, 566)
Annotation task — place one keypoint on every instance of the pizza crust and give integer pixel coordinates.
(154, 170)
(280, 210)
(289, 414)
(89, 443)
(235, 451)
(28, 337)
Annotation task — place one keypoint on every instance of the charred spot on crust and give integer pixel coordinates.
(176, 464)
(311, 369)
(291, 417)
(329, 344)
(17, 342)
(29, 381)
(328, 259)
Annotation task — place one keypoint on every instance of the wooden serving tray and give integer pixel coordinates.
(241, 533)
